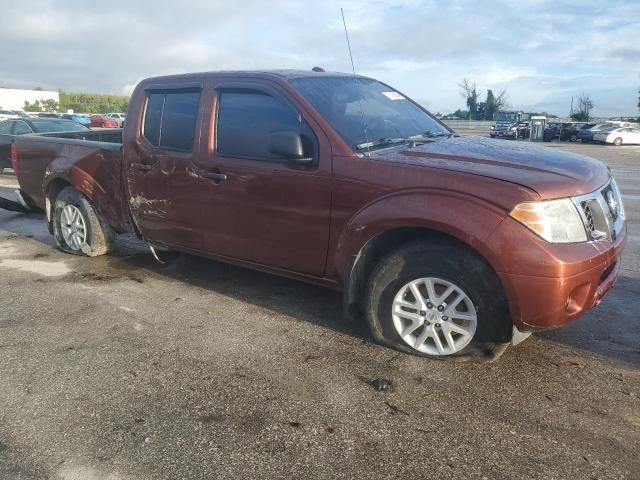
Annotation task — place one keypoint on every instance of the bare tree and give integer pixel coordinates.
(469, 92)
(585, 105)
(502, 99)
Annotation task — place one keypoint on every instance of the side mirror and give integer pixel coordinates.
(288, 145)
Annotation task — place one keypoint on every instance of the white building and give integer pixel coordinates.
(13, 99)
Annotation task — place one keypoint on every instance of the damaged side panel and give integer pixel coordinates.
(93, 168)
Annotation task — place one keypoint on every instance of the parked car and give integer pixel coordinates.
(119, 117)
(446, 245)
(6, 115)
(101, 121)
(552, 131)
(81, 119)
(619, 136)
(570, 130)
(9, 129)
(586, 135)
(48, 115)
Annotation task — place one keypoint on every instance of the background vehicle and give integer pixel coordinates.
(511, 125)
(119, 117)
(446, 245)
(586, 135)
(101, 121)
(9, 129)
(567, 131)
(552, 131)
(6, 114)
(571, 130)
(81, 119)
(619, 136)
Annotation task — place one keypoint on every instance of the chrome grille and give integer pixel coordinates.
(588, 217)
(602, 212)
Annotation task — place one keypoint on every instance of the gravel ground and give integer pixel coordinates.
(121, 368)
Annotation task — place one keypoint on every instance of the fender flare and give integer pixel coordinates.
(469, 220)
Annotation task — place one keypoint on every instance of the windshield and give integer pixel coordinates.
(45, 126)
(352, 105)
(507, 117)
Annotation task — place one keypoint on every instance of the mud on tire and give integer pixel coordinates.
(452, 262)
(98, 234)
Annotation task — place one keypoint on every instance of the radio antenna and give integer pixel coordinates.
(355, 80)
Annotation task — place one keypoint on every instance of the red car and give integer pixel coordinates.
(101, 121)
(445, 245)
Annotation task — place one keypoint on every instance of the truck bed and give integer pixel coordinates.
(90, 161)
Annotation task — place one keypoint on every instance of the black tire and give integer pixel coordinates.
(451, 261)
(99, 235)
(617, 142)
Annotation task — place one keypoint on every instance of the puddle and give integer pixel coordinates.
(46, 269)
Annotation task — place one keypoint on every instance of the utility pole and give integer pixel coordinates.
(571, 114)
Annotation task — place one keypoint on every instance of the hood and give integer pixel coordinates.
(549, 171)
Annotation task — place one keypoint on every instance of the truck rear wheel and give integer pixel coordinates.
(78, 227)
(437, 300)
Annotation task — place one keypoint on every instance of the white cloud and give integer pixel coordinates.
(542, 52)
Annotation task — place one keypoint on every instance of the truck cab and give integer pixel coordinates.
(512, 124)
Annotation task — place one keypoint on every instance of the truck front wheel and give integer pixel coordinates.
(78, 226)
(437, 299)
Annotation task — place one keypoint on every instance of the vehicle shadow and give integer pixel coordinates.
(310, 303)
(612, 330)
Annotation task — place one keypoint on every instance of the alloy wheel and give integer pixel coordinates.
(73, 226)
(434, 316)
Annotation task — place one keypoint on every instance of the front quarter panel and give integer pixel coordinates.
(466, 218)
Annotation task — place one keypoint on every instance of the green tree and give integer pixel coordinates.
(93, 102)
(42, 105)
(491, 106)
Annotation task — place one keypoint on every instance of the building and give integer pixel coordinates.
(13, 99)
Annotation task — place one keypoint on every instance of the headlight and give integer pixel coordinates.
(513, 129)
(493, 127)
(557, 221)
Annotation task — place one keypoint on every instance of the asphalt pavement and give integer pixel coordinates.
(119, 368)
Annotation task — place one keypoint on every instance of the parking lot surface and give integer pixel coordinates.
(119, 367)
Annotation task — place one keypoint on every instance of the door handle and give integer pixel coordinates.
(140, 166)
(219, 177)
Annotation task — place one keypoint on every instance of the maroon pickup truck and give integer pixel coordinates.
(447, 246)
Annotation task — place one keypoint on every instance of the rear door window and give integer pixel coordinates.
(170, 120)
(22, 128)
(5, 127)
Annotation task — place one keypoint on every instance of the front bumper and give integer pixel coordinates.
(550, 285)
(503, 133)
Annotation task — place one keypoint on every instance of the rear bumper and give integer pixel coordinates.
(567, 280)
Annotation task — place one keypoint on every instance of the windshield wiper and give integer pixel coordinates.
(381, 141)
(429, 134)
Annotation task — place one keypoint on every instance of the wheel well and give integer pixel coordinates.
(54, 187)
(361, 265)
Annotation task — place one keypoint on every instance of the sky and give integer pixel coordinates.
(543, 52)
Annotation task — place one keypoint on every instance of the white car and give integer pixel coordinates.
(116, 116)
(619, 136)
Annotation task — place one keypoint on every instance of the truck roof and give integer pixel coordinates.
(283, 73)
